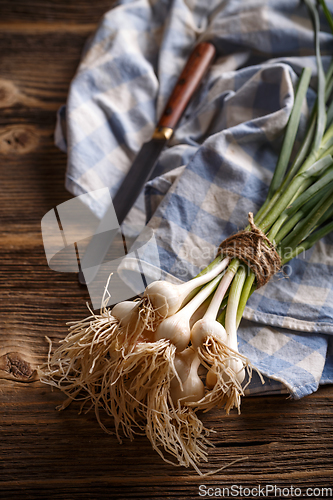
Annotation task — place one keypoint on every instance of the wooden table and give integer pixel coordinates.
(62, 455)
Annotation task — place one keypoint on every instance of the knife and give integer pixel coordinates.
(144, 163)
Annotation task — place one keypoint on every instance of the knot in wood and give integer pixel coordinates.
(254, 249)
(18, 139)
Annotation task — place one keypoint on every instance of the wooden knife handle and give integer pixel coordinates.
(188, 82)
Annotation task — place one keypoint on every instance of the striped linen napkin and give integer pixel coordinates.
(219, 162)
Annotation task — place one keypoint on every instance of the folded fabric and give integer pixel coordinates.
(219, 162)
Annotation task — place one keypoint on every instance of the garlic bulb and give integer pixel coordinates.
(193, 389)
(236, 363)
(126, 313)
(238, 371)
(211, 379)
(205, 328)
(176, 328)
(208, 326)
(167, 297)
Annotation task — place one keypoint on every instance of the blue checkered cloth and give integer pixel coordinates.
(220, 160)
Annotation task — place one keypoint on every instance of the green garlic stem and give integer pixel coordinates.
(232, 306)
(321, 80)
(204, 293)
(309, 242)
(304, 228)
(247, 290)
(216, 262)
(220, 292)
(290, 134)
(297, 184)
(292, 221)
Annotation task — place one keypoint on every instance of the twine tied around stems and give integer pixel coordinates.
(255, 249)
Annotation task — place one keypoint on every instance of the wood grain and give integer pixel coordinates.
(76, 12)
(49, 454)
(276, 441)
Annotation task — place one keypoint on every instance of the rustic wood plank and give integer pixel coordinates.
(36, 11)
(23, 56)
(49, 454)
(38, 61)
(287, 455)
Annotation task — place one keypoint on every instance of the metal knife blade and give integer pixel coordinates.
(123, 201)
(144, 164)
